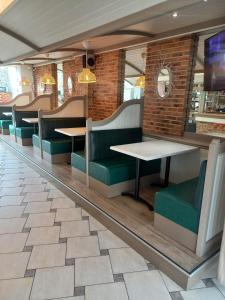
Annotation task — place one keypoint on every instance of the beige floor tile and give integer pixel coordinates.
(16, 289)
(43, 235)
(202, 294)
(71, 298)
(37, 207)
(62, 203)
(13, 265)
(50, 186)
(82, 247)
(34, 188)
(16, 191)
(109, 291)
(108, 240)
(11, 200)
(95, 225)
(11, 225)
(53, 283)
(40, 220)
(33, 180)
(11, 183)
(126, 260)
(219, 286)
(36, 197)
(11, 211)
(13, 242)
(93, 270)
(146, 285)
(31, 174)
(74, 228)
(12, 177)
(56, 194)
(68, 214)
(45, 256)
(84, 213)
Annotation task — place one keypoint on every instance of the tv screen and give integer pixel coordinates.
(214, 73)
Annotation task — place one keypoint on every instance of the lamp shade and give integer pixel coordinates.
(86, 76)
(25, 82)
(140, 82)
(48, 79)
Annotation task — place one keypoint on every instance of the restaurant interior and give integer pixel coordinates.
(127, 118)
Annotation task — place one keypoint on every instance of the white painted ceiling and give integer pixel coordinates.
(54, 24)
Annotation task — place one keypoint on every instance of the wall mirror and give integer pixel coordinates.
(70, 85)
(164, 82)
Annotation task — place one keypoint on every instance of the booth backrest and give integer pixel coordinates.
(19, 115)
(40, 102)
(5, 109)
(74, 107)
(21, 99)
(200, 186)
(101, 140)
(48, 126)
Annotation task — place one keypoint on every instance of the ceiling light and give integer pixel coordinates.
(140, 82)
(175, 14)
(86, 76)
(205, 0)
(5, 4)
(48, 79)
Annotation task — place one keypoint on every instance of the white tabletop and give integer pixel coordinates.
(8, 114)
(76, 131)
(153, 149)
(30, 120)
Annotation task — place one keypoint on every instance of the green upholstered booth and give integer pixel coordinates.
(55, 145)
(109, 167)
(180, 204)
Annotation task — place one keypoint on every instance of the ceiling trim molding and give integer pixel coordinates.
(68, 50)
(19, 38)
(38, 58)
(131, 32)
(133, 66)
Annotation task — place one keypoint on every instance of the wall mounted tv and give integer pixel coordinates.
(214, 66)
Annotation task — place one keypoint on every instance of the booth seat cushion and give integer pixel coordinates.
(11, 129)
(4, 124)
(54, 146)
(78, 160)
(121, 168)
(176, 203)
(24, 132)
(181, 203)
(113, 170)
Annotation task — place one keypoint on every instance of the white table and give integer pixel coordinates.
(72, 132)
(151, 150)
(8, 114)
(33, 121)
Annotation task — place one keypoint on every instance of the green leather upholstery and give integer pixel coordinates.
(181, 203)
(24, 132)
(19, 115)
(4, 124)
(101, 140)
(56, 146)
(11, 129)
(111, 167)
(5, 109)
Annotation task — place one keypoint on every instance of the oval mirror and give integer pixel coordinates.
(70, 85)
(164, 82)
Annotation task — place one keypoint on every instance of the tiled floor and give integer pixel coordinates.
(52, 249)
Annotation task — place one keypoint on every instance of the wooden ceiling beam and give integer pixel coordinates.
(19, 38)
(67, 50)
(133, 66)
(131, 32)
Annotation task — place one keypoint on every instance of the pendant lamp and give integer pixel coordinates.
(140, 82)
(86, 76)
(48, 79)
(25, 82)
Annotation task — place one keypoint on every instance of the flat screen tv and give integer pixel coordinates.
(214, 64)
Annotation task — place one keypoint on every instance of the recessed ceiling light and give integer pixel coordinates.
(205, 0)
(175, 14)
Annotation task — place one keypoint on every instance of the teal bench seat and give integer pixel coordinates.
(24, 132)
(11, 129)
(4, 124)
(113, 170)
(181, 203)
(53, 146)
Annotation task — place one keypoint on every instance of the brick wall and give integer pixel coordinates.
(38, 72)
(205, 127)
(104, 95)
(167, 116)
(71, 68)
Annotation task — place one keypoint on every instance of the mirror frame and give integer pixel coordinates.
(170, 81)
